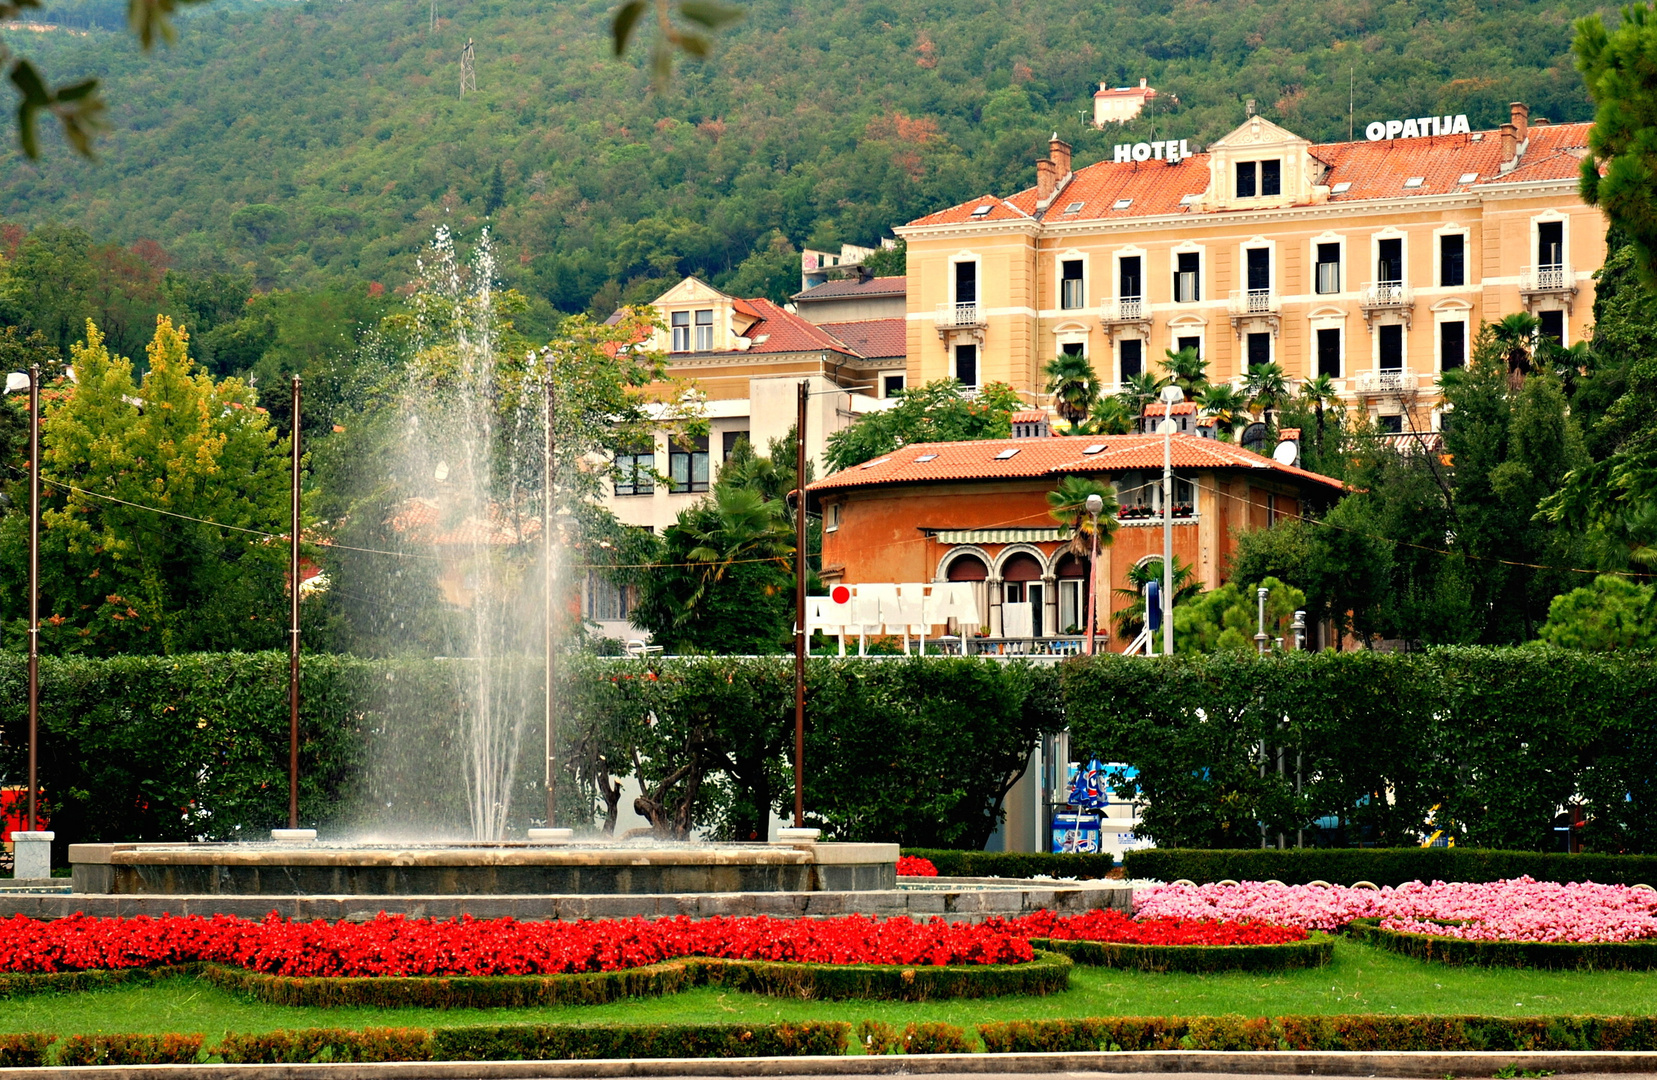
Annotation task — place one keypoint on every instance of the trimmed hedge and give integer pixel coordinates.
(1048, 973)
(935, 1038)
(1367, 1032)
(552, 1042)
(326, 1044)
(1315, 951)
(1385, 866)
(1556, 955)
(1015, 864)
(25, 1050)
(170, 1049)
(25, 983)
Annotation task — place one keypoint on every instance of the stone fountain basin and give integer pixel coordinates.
(479, 868)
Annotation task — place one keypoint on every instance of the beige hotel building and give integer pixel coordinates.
(1373, 261)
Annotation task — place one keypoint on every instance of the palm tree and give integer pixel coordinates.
(745, 526)
(1186, 370)
(1568, 363)
(1074, 386)
(1131, 619)
(1068, 506)
(1223, 402)
(1317, 393)
(1139, 391)
(1110, 416)
(1515, 338)
(1266, 389)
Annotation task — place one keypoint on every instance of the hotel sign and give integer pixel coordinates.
(1169, 150)
(1420, 128)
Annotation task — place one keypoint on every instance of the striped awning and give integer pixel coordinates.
(997, 536)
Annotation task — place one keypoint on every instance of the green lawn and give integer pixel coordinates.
(1361, 979)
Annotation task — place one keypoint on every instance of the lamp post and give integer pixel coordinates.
(1299, 628)
(34, 590)
(1095, 504)
(1171, 395)
(550, 779)
(801, 639)
(1261, 641)
(293, 624)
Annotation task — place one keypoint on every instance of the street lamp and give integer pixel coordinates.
(1299, 627)
(1261, 641)
(1171, 395)
(1095, 504)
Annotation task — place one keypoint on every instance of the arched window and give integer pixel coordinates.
(967, 568)
(970, 568)
(1021, 584)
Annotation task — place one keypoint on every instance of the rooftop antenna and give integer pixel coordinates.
(468, 72)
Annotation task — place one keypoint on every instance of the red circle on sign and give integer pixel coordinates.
(841, 594)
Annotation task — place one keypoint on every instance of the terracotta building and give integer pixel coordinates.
(977, 511)
(1373, 262)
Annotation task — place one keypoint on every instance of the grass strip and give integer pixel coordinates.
(1315, 951)
(1549, 955)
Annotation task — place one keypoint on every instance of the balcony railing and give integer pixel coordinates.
(1125, 309)
(1548, 278)
(959, 316)
(1383, 295)
(1390, 381)
(1253, 302)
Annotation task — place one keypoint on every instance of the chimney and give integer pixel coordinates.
(1510, 147)
(1058, 151)
(1045, 182)
(1520, 113)
(1142, 84)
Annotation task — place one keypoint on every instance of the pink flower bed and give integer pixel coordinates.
(1518, 909)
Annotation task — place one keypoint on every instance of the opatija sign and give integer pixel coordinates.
(1421, 127)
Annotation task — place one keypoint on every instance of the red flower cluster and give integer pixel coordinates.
(394, 945)
(915, 866)
(1113, 926)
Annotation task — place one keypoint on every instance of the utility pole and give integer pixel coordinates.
(293, 628)
(34, 592)
(468, 69)
(547, 587)
(801, 639)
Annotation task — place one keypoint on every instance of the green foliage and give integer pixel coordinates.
(936, 412)
(1618, 174)
(1566, 955)
(1015, 864)
(1228, 617)
(1074, 386)
(1067, 504)
(771, 271)
(889, 261)
(1385, 866)
(470, 992)
(1130, 616)
(325, 1044)
(935, 1038)
(25, 1049)
(1315, 951)
(130, 1050)
(553, 1042)
(1460, 726)
(1613, 613)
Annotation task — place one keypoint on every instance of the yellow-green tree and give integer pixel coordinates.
(163, 504)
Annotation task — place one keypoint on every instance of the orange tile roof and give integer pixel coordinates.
(872, 338)
(1159, 409)
(783, 331)
(840, 290)
(1038, 458)
(1374, 170)
(1029, 416)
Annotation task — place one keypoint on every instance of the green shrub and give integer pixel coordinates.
(25, 1049)
(935, 1038)
(1048, 973)
(326, 1044)
(1386, 866)
(531, 1042)
(1315, 951)
(25, 983)
(1557, 955)
(1104, 1033)
(171, 1049)
(1015, 864)
(456, 992)
(878, 1037)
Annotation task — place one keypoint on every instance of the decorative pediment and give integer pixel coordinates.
(1257, 132)
(692, 290)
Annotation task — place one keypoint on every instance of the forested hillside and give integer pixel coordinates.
(314, 145)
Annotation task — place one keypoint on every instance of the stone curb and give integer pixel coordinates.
(1425, 1064)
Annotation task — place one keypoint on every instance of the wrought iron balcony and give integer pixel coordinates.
(1253, 302)
(959, 316)
(1387, 295)
(1127, 309)
(1389, 382)
(1548, 278)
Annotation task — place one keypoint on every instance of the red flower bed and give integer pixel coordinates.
(394, 945)
(915, 866)
(1113, 926)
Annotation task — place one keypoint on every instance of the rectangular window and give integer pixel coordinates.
(1452, 260)
(1391, 423)
(1271, 178)
(606, 601)
(1186, 288)
(1071, 348)
(704, 330)
(728, 441)
(1070, 285)
(1452, 345)
(1259, 269)
(1329, 268)
(1389, 261)
(687, 467)
(1391, 337)
(966, 365)
(1192, 343)
(1550, 243)
(1133, 358)
(1329, 353)
(1553, 326)
(891, 385)
(1245, 179)
(1072, 606)
(635, 474)
(966, 283)
(1130, 278)
(680, 321)
(1259, 350)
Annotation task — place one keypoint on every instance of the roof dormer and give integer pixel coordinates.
(1261, 166)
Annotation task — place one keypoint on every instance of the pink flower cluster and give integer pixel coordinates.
(1518, 909)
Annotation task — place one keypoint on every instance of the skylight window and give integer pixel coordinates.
(1073, 207)
(1468, 178)
(1341, 188)
(876, 461)
(1094, 448)
(1187, 200)
(926, 457)
(1007, 453)
(1477, 136)
(1414, 181)
(1121, 204)
(982, 210)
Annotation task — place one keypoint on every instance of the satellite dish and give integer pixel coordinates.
(1286, 453)
(1254, 437)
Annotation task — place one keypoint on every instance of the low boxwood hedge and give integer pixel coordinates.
(1015, 864)
(1315, 951)
(26, 983)
(1367, 1032)
(1383, 866)
(551, 1042)
(25, 1050)
(1557, 955)
(170, 1049)
(326, 1044)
